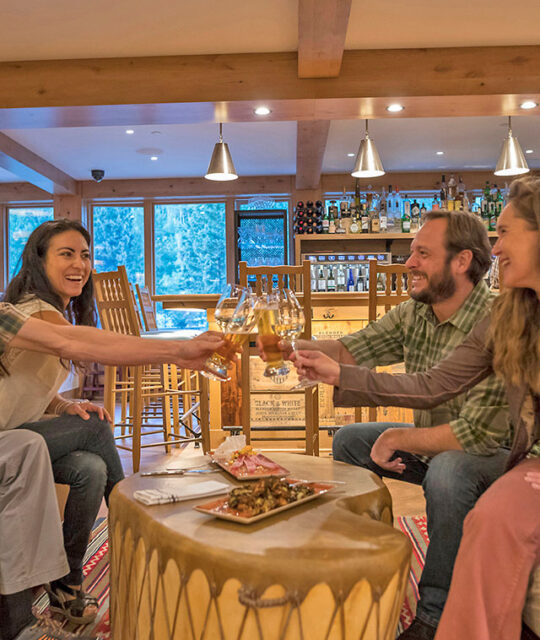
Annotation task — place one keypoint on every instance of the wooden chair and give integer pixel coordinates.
(138, 386)
(298, 279)
(147, 308)
(387, 288)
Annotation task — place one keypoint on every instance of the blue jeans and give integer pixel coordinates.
(452, 482)
(83, 456)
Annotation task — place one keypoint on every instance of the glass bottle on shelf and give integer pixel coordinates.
(350, 280)
(406, 216)
(321, 280)
(341, 280)
(331, 220)
(415, 216)
(383, 217)
(364, 219)
(444, 192)
(326, 222)
(375, 221)
(355, 227)
(331, 281)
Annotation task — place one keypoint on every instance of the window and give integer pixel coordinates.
(190, 256)
(262, 236)
(21, 222)
(119, 239)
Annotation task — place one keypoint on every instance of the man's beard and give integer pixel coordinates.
(439, 287)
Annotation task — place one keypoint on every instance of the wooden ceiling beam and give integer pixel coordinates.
(32, 168)
(311, 140)
(322, 28)
(222, 79)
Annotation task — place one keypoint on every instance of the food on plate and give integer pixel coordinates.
(266, 494)
(246, 460)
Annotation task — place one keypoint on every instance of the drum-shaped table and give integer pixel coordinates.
(330, 569)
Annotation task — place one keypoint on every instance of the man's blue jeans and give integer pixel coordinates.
(452, 482)
(83, 456)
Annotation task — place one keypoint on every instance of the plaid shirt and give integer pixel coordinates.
(411, 333)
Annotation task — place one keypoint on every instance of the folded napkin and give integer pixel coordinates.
(186, 492)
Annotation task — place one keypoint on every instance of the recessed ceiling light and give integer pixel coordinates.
(351, 155)
(154, 157)
(262, 111)
(394, 108)
(130, 132)
(528, 104)
(440, 153)
(529, 151)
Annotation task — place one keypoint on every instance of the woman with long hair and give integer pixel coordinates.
(54, 284)
(501, 535)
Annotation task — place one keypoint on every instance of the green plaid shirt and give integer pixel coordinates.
(411, 333)
(11, 320)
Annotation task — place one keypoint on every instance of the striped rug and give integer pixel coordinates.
(416, 528)
(96, 583)
(96, 572)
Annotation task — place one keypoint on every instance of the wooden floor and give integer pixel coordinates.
(407, 499)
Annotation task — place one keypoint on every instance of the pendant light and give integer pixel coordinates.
(511, 161)
(221, 166)
(368, 164)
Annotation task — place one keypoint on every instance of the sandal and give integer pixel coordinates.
(71, 603)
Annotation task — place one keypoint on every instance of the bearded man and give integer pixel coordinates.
(456, 450)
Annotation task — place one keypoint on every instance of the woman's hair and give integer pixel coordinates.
(32, 278)
(514, 333)
(465, 231)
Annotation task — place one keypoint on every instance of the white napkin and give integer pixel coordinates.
(187, 492)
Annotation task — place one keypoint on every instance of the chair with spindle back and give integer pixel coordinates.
(387, 289)
(117, 313)
(297, 279)
(147, 308)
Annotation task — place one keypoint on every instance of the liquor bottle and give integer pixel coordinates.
(452, 193)
(485, 205)
(499, 202)
(321, 280)
(360, 280)
(314, 277)
(340, 227)
(423, 211)
(415, 216)
(435, 203)
(383, 218)
(331, 221)
(443, 192)
(364, 220)
(461, 193)
(375, 222)
(350, 280)
(406, 217)
(355, 227)
(330, 281)
(357, 194)
(341, 283)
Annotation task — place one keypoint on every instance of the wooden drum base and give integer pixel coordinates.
(328, 570)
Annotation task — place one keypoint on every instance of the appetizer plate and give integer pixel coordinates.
(262, 472)
(220, 508)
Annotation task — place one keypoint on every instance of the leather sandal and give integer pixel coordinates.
(71, 603)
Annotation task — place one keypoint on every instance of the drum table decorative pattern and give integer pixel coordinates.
(331, 569)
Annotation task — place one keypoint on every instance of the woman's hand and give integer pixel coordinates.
(533, 478)
(84, 408)
(315, 365)
(193, 354)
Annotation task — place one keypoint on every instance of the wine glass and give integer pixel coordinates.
(268, 320)
(235, 316)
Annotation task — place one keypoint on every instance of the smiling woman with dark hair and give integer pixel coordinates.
(54, 284)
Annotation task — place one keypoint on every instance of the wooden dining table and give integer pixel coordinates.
(331, 568)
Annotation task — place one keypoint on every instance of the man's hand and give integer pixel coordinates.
(383, 450)
(533, 478)
(315, 365)
(284, 346)
(193, 354)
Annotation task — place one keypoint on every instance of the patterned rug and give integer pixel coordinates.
(96, 583)
(96, 572)
(416, 528)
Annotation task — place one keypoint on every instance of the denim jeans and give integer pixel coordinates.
(83, 456)
(452, 483)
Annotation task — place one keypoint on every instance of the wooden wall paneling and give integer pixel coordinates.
(149, 245)
(187, 187)
(322, 27)
(21, 192)
(70, 207)
(30, 167)
(311, 138)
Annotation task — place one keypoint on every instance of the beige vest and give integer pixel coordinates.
(33, 380)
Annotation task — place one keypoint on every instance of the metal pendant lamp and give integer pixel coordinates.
(367, 164)
(221, 167)
(511, 161)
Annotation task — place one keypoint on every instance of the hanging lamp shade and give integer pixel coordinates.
(368, 163)
(221, 167)
(511, 161)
